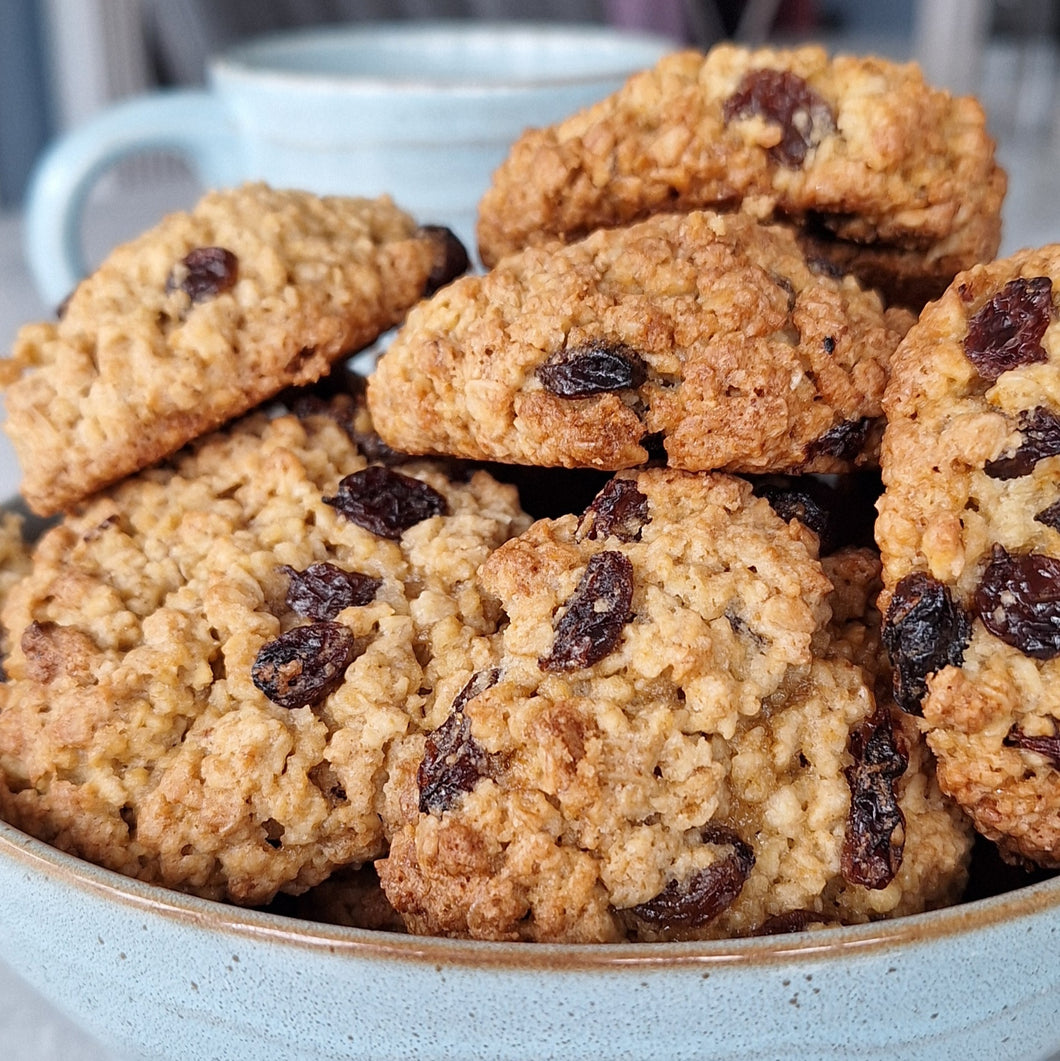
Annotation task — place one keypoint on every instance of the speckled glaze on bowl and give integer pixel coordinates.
(167, 976)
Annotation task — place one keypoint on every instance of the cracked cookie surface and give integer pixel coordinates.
(200, 319)
(887, 176)
(706, 334)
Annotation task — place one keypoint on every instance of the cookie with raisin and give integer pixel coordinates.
(970, 540)
(214, 660)
(672, 744)
(705, 338)
(883, 174)
(200, 319)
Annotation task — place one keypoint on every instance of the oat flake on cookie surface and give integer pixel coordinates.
(214, 661)
(201, 318)
(707, 335)
(674, 741)
(884, 174)
(969, 531)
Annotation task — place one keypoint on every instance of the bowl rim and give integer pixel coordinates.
(627, 50)
(842, 942)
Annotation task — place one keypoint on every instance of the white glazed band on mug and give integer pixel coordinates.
(421, 111)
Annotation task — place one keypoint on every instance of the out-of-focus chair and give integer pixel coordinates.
(949, 41)
(1004, 51)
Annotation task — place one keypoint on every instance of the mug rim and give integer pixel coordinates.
(630, 50)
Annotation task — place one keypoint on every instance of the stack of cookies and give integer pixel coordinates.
(287, 631)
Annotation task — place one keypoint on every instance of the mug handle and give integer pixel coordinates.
(190, 122)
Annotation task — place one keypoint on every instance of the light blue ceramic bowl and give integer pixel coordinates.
(166, 976)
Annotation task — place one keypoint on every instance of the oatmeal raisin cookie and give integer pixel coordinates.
(883, 174)
(707, 335)
(199, 320)
(670, 745)
(969, 530)
(215, 659)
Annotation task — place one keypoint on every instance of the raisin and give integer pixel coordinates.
(450, 257)
(453, 763)
(596, 367)
(300, 667)
(1007, 331)
(1049, 747)
(787, 100)
(697, 900)
(874, 842)
(322, 590)
(1018, 600)
(205, 272)
(386, 502)
(620, 509)
(844, 441)
(1050, 516)
(1039, 438)
(810, 501)
(924, 630)
(596, 614)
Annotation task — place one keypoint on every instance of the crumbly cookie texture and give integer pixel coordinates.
(215, 659)
(14, 551)
(886, 175)
(14, 563)
(969, 531)
(707, 333)
(667, 746)
(202, 318)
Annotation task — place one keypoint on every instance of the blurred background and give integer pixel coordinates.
(61, 60)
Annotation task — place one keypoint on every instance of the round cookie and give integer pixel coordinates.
(215, 659)
(705, 334)
(670, 744)
(887, 176)
(970, 538)
(200, 319)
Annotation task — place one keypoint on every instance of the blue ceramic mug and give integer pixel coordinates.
(422, 111)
